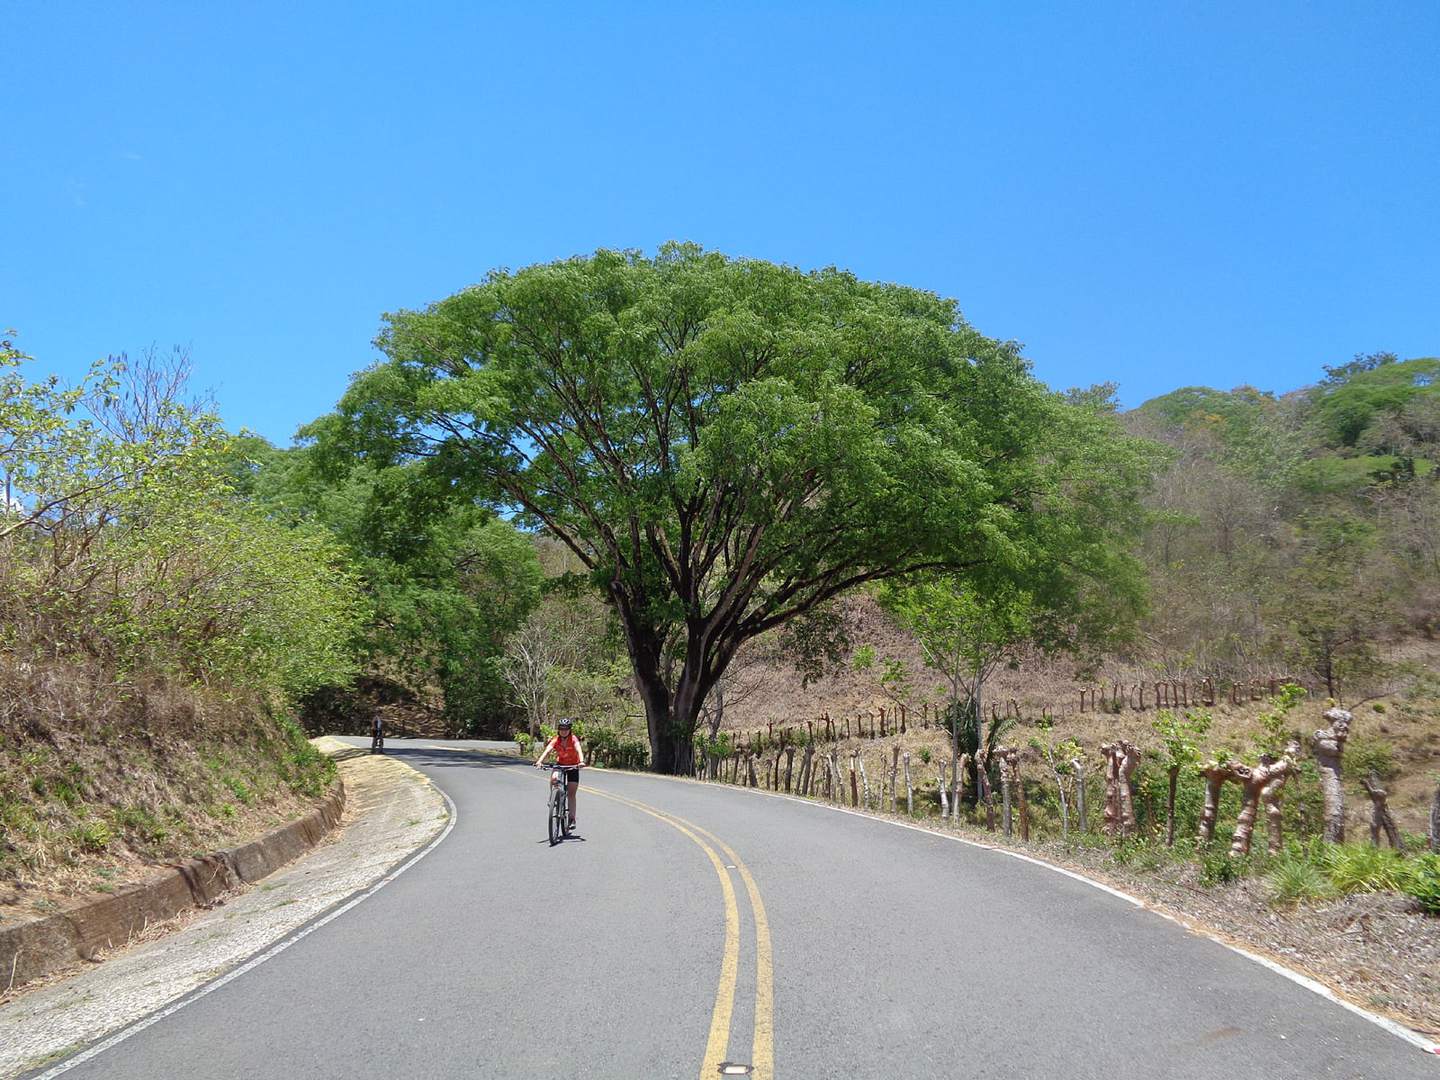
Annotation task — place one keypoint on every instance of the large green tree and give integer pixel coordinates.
(446, 582)
(726, 444)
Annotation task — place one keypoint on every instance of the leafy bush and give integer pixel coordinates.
(1219, 867)
(605, 745)
(1364, 755)
(1297, 877)
(92, 835)
(1360, 868)
(1422, 881)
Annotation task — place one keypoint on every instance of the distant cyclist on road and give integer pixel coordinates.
(570, 756)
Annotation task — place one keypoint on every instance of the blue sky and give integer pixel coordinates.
(1158, 194)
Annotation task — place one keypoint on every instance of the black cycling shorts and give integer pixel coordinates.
(572, 776)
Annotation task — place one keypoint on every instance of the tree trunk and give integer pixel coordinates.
(864, 780)
(666, 754)
(1121, 759)
(1170, 806)
(1081, 809)
(909, 789)
(1024, 806)
(1329, 746)
(894, 778)
(983, 772)
(1009, 774)
(1216, 773)
(1264, 781)
(944, 795)
(1380, 819)
(1005, 801)
(1064, 811)
(1435, 821)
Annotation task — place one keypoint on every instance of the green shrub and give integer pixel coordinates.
(92, 834)
(1422, 881)
(1296, 877)
(605, 745)
(142, 822)
(1356, 868)
(1219, 867)
(1364, 756)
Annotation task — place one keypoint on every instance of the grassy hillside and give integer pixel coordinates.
(99, 783)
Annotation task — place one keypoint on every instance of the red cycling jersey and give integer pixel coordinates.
(567, 750)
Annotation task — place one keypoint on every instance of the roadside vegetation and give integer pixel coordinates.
(155, 631)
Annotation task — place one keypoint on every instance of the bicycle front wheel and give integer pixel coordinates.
(557, 809)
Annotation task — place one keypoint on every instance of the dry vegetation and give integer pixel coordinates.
(100, 781)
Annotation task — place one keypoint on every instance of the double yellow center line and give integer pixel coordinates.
(762, 1055)
(762, 1051)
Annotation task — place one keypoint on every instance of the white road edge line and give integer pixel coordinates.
(255, 961)
(1414, 1038)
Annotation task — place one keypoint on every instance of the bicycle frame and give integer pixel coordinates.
(559, 804)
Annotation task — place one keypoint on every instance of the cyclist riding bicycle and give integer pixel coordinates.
(570, 756)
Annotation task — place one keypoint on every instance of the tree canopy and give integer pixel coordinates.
(725, 444)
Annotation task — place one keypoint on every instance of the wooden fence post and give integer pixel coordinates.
(894, 771)
(909, 789)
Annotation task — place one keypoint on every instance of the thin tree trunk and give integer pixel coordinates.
(1008, 774)
(944, 796)
(909, 789)
(864, 780)
(1435, 821)
(957, 772)
(1380, 819)
(1079, 766)
(1329, 747)
(1170, 806)
(894, 778)
(1216, 773)
(1024, 806)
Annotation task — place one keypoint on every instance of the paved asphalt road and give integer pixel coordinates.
(635, 951)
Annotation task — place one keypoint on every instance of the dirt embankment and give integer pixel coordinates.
(100, 782)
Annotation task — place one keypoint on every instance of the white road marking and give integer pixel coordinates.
(249, 965)
(1414, 1038)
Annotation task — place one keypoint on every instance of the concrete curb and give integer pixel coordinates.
(42, 946)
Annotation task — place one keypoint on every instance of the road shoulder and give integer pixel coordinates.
(391, 811)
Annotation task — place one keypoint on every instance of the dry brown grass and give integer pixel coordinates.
(101, 779)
